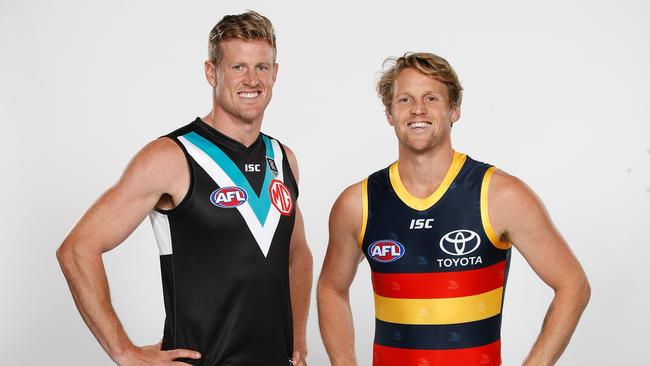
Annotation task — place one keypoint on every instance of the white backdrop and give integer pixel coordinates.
(556, 93)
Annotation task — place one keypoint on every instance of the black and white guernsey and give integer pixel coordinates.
(224, 251)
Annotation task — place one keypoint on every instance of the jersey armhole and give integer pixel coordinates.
(485, 217)
(190, 186)
(290, 171)
(364, 211)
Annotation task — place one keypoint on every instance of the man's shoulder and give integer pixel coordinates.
(160, 157)
(180, 131)
(510, 194)
(351, 198)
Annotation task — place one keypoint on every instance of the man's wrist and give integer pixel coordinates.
(302, 349)
(121, 355)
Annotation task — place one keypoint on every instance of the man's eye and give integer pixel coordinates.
(431, 98)
(403, 100)
(262, 68)
(237, 67)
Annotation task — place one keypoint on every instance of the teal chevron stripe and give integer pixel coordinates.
(260, 204)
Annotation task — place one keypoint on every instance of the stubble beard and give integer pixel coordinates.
(243, 112)
(431, 143)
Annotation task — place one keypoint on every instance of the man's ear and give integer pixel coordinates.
(275, 71)
(455, 114)
(210, 73)
(389, 117)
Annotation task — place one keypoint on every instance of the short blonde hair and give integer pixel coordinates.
(249, 25)
(426, 63)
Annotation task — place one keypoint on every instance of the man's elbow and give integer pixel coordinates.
(71, 255)
(65, 256)
(578, 290)
(301, 257)
(584, 291)
(326, 291)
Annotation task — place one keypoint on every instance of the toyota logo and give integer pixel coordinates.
(460, 242)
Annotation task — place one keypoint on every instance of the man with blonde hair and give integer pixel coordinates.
(436, 228)
(221, 197)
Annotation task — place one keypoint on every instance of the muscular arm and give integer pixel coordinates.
(300, 276)
(339, 268)
(519, 217)
(107, 223)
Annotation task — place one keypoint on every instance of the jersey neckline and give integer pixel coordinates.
(422, 204)
(226, 140)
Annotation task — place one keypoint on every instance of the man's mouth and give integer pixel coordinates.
(419, 124)
(249, 94)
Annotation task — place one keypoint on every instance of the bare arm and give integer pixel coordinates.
(339, 268)
(300, 277)
(519, 217)
(107, 223)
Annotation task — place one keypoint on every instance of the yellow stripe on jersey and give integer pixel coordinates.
(364, 210)
(453, 310)
(485, 217)
(422, 204)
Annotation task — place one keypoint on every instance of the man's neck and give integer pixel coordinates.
(422, 173)
(243, 131)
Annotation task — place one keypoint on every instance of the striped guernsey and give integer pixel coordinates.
(438, 269)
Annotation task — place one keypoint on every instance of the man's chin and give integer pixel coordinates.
(419, 147)
(250, 115)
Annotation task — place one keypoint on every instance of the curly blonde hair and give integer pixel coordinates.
(426, 63)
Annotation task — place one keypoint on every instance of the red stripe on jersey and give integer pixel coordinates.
(439, 284)
(488, 355)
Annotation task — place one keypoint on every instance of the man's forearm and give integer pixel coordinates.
(89, 287)
(300, 278)
(336, 326)
(559, 324)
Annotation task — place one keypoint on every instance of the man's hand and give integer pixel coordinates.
(153, 356)
(296, 360)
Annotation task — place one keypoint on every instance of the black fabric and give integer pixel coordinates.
(223, 298)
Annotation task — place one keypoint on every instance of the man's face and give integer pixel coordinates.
(243, 79)
(420, 111)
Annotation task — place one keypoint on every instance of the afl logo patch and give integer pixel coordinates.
(228, 197)
(386, 251)
(281, 197)
(460, 242)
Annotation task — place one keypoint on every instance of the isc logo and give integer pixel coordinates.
(228, 197)
(421, 224)
(385, 251)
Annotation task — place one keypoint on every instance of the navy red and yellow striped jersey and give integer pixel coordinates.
(438, 269)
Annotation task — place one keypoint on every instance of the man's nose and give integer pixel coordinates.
(418, 108)
(251, 78)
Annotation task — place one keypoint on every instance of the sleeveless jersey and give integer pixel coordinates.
(224, 251)
(438, 269)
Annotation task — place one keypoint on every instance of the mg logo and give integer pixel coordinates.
(460, 242)
(280, 197)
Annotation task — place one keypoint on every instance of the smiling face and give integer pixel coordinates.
(243, 80)
(420, 111)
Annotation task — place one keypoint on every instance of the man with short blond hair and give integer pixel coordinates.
(436, 228)
(221, 197)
